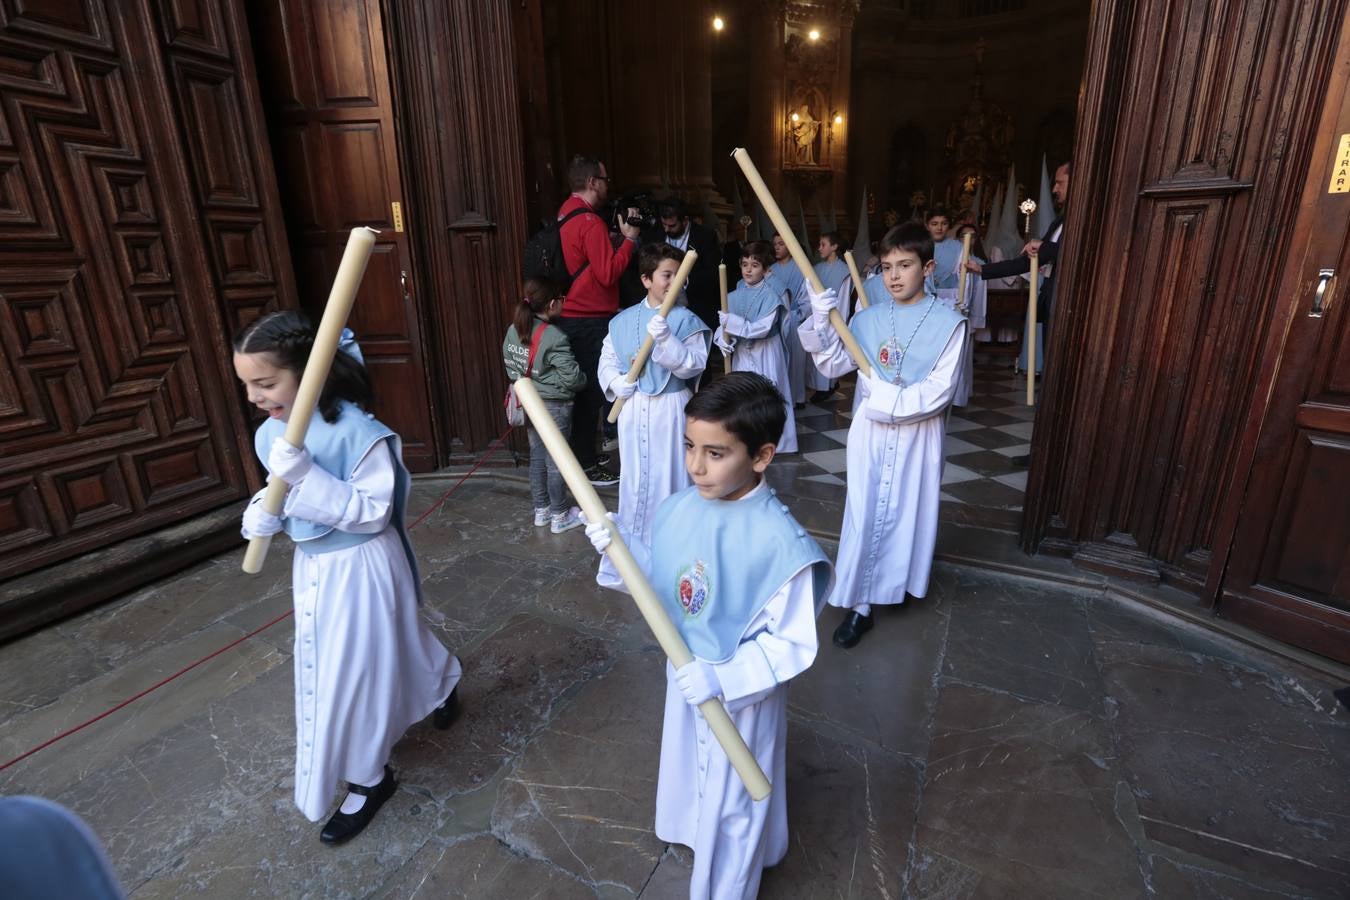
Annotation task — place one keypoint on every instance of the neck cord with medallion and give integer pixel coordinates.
(890, 311)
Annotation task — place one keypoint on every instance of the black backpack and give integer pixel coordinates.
(544, 253)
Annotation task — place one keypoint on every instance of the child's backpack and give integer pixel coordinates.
(515, 413)
(544, 253)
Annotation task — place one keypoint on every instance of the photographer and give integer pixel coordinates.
(593, 298)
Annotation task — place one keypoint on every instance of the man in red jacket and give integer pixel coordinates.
(593, 299)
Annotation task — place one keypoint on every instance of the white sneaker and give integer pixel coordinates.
(541, 517)
(609, 445)
(567, 521)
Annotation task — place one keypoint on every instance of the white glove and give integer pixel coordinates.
(822, 303)
(622, 388)
(698, 682)
(258, 522)
(722, 316)
(598, 532)
(726, 342)
(659, 329)
(290, 464)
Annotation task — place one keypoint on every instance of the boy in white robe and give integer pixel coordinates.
(743, 583)
(652, 420)
(913, 343)
(751, 333)
(790, 277)
(833, 273)
(945, 283)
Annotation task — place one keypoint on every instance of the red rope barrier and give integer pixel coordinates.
(499, 444)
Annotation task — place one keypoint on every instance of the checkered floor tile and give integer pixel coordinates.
(983, 439)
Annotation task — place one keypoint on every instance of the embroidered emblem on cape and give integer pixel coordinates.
(693, 589)
(889, 355)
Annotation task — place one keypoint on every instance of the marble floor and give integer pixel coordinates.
(984, 438)
(1003, 737)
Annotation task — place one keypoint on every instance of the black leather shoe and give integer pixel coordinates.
(1022, 461)
(443, 716)
(345, 826)
(851, 630)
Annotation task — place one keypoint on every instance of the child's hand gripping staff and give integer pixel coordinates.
(647, 602)
(857, 279)
(645, 350)
(808, 271)
(340, 299)
(962, 304)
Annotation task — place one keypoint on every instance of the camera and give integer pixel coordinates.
(640, 200)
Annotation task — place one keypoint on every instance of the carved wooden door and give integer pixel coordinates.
(117, 411)
(1289, 569)
(325, 81)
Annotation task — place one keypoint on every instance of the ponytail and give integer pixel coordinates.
(539, 293)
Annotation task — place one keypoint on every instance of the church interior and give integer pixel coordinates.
(1142, 577)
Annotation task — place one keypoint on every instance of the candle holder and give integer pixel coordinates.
(1028, 206)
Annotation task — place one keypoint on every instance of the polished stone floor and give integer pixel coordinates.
(1003, 737)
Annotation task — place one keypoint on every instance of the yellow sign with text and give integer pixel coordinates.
(1340, 168)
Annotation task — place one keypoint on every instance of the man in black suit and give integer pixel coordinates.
(1046, 250)
(678, 231)
(1047, 254)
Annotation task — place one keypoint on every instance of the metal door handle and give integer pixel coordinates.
(403, 284)
(1319, 297)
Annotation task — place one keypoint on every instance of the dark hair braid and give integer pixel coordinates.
(288, 337)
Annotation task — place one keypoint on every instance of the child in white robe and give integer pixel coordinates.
(945, 283)
(652, 420)
(743, 583)
(751, 333)
(366, 666)
(833, 273)
(913, 343)
(785, 271)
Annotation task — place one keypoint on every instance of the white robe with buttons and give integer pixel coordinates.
(651, 438)
(700, 800)
(894, 460)
(366, 666)
(752, 349)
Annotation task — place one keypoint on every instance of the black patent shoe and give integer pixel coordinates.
(851, 630)
(443, 716)
(345, 826)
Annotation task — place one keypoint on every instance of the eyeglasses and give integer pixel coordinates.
(605, 178)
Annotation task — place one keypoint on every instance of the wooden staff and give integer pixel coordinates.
(645, 351)
(722, 287)
(339, 306)
(1031, 332)
(857, 279)
(667, 635)
(808, 271)
(961, 278)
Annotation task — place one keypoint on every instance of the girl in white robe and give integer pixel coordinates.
(366, 666)
(651, 423)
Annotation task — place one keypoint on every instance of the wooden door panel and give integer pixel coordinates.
(339, 162)
(1289, 569)
(104, 431)
(346, 68)
(1310, 553)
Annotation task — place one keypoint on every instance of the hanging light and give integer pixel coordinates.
(718, 23)
(814, 34)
